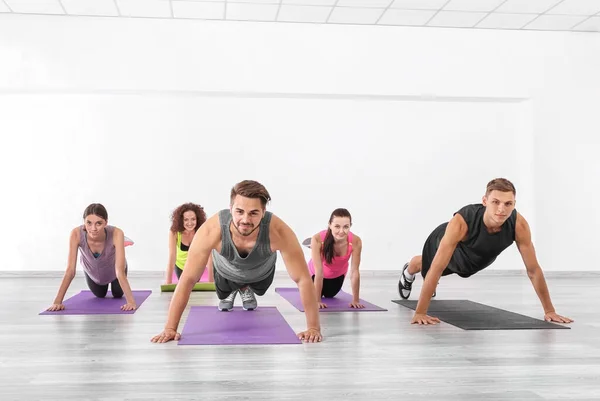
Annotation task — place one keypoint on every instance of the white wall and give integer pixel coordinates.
(567, 153)
(143, 115)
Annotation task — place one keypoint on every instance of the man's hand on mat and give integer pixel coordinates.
(420, 318)
(322, 305)
(310, 336)
(555, 317)
(56, 307)
(165, 336)
(129, 306)
(356, 304)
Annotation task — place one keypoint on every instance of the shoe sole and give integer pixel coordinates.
(400, 286)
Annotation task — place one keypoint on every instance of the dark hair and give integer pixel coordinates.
(500, 184)
(177, 216)
(250, 189)
(328, 251)
(96, 209)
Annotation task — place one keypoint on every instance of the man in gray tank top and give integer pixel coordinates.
(242, 242)
(470, 242)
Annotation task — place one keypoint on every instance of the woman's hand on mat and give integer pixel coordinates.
(356, 304)
(310, 336)
(555, 317)
(165, 336)
(420, 318)
(56, 307)
(322, 305)
(129, 306)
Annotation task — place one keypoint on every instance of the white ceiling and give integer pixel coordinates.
(554, 15)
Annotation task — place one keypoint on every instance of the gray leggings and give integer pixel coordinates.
(101, 290)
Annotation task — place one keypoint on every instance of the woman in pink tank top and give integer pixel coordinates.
(102, 257)
(332, 250)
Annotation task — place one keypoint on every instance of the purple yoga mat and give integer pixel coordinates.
(86, 303)
(338, 304)
(206, 325)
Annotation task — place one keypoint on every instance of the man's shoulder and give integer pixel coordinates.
(275, 221)
(212, 225)
(468, 212)
(471, 207)
(278, 228)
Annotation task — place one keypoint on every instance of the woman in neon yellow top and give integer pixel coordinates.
(185, 221)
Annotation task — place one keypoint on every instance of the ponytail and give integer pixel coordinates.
(328, 244)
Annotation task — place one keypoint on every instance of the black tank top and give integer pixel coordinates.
(481, 248)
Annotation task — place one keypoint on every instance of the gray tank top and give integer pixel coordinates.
(101, 269)
(255, 267)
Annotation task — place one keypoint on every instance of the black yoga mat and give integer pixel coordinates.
(469, 315)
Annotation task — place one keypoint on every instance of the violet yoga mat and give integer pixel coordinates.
(206, 325)
(337, 304)
(86, 303)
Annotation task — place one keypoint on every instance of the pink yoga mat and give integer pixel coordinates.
(86, 303)
(203, 279)
(206, 325)
(338, 304)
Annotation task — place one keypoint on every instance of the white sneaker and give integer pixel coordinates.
(227, 303)
(248, 299)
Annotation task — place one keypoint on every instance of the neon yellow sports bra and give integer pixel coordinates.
(182, 252)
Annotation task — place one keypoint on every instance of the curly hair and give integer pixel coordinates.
(177, 216)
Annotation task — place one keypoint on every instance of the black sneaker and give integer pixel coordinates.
(404, 285)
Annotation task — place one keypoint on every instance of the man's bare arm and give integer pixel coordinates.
(286, 242)
(456, 230)
(534, 271)
(206, 239)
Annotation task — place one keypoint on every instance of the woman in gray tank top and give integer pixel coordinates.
(102, 258)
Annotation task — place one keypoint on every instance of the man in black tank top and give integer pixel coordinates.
(242, 242)
(470, 242)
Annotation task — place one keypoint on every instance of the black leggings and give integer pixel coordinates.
(178, 272)
(101, 290)
(331, 286)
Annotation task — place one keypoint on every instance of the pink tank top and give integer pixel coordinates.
(339, 264)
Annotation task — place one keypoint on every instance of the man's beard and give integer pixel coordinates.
(245, 235)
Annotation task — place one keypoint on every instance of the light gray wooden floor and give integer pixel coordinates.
(366, 355)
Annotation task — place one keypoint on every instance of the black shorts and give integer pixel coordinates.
(430, 248)
(225, 287)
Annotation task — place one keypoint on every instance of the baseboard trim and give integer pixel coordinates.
(283, 273)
